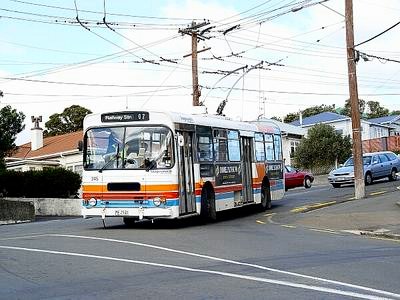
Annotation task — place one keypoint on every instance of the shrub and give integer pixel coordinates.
(49, 183)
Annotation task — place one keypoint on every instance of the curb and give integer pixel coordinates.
(375, 234)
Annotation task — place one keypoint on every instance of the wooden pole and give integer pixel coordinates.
(359, 184)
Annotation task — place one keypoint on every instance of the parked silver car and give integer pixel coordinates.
(376, 165)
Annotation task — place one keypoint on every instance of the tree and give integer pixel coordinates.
(70, 120)
(276, 119)
(11, 123)
(322, 147)
(317, 109)
(346, 111)
(308, 112)
(290, 117)
(395, 113)
(376, 110)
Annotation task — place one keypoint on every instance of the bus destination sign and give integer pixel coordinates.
(128, 116)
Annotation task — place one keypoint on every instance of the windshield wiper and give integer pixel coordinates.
(116, 156)
(150, 164)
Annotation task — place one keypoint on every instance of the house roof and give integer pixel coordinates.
(51, 145)
(385, 119)
(287, 128)
(323, 117)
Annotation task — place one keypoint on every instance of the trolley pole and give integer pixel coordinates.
(193, 32)
(359, 183)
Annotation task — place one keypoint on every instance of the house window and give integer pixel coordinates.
(78, 169)
(340, 131)
(293, 146)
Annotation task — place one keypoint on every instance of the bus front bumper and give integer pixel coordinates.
(138, 212)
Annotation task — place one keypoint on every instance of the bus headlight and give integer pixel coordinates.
(92, 201)
(157, 201)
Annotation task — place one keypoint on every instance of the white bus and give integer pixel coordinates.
(148, 164)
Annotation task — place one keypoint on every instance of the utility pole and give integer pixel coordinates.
(193, 31)
(359, 184)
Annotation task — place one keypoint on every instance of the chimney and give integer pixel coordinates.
(37, 134)
(301, 118)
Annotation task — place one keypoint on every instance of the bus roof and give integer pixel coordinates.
(169, 118)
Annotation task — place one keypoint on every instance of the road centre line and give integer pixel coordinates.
(233, 262)
(288, 226)
(312, 206)
(260, 222)
(270, 214)
(377, 193)
(232, 275)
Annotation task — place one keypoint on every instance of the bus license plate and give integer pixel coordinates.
(121, 212)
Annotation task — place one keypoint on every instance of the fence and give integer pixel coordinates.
(390, 143)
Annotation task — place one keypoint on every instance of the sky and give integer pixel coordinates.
(288, 55)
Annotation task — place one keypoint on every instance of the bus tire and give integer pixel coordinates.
(266, 197)
(208, 211)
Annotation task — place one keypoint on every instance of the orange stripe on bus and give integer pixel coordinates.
(92, 188)
(149, 188)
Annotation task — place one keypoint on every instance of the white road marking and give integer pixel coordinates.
(244, 277)
(24, 237)
(234, 262)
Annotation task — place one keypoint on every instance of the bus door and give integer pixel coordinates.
(187, 196)
(247, 180)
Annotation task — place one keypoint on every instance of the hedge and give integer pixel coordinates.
(49, 183)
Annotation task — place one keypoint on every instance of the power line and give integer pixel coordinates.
(98, 12)
(366, 56)
(379, 34)
(88, 84)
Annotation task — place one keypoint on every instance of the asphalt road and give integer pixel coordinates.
(325, 193)
(242, 256)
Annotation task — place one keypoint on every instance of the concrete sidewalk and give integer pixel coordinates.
(377, 215)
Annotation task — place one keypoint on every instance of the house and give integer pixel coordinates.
(392, 121)
(343, 125)
(49, 152)
(291, 137)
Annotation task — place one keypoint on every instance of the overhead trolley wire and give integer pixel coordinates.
(379, 34)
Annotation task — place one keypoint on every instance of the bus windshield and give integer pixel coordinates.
(128, 148)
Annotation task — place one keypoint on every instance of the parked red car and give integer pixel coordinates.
(295, 178)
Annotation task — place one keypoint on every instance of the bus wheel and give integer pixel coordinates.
(208, 211)
(266, 198)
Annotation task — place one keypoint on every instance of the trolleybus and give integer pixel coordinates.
(149, 164)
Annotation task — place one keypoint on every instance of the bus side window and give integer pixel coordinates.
(269, 146)
(233, 145)
(278, 147)
(204, 148)
(259, 146)
(220, 145)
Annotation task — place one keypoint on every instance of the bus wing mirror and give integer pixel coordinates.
(80, 145)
